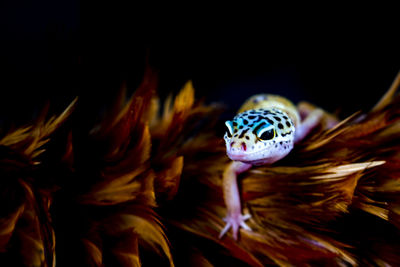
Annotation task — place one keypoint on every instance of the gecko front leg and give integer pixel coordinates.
(234, 218)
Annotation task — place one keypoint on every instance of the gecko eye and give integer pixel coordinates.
(229, 128)
(267, 134)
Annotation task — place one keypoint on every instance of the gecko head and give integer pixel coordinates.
(259, 136)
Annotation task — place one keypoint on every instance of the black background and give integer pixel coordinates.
(54, 51)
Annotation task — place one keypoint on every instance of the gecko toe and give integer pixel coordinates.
(245, 226)
(226, 228)
(246, 217)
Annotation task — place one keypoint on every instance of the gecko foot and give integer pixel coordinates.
(235, 221)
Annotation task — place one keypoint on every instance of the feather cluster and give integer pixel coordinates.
(144, 187)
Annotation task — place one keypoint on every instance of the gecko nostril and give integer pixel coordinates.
(244, 146)
(232, 143)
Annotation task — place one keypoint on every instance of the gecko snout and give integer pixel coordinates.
(238, 147)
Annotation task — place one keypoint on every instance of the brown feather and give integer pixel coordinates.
(26, 222)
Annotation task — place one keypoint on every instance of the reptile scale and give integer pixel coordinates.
(263, 132)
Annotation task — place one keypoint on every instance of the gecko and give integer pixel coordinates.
(263, 132)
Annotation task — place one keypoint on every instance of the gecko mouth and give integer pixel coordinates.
(265, 155)
(254, 159)
(236, 156)
(242, 156)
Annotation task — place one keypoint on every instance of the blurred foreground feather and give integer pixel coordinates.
(334, 200)
(26, 235)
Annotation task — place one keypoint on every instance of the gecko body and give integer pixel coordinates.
(263, 132)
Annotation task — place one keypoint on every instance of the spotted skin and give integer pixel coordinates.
(263, 132)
